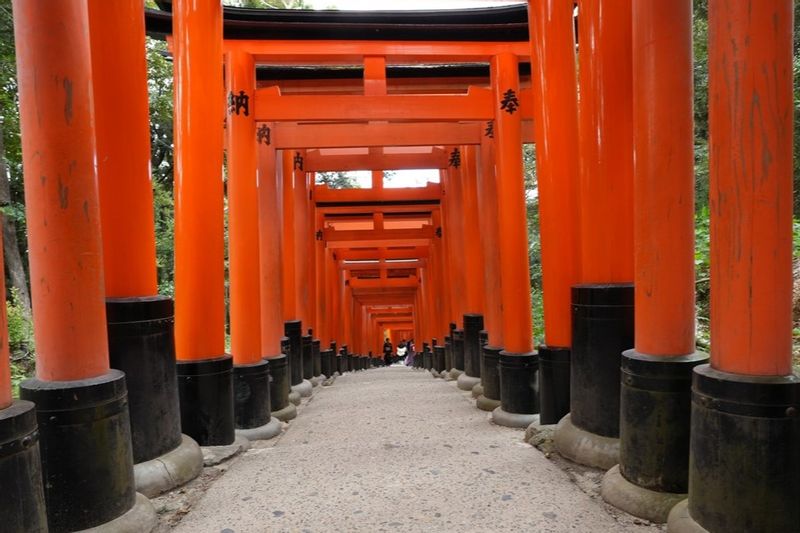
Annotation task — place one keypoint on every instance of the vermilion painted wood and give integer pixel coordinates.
(555, 102)
(376, 134)
(61, 198)
(606, 142)
(664, 177)
(472, 252)
(119, 83)
(512, 216)
(750, 119)
(335, 52)
(270, 250)
(199, 237)
(243, 221)
(315, 161)
(290, 310)
(487, 214)
(271, 105)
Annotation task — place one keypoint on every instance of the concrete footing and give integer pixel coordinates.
(454, 373)
(513, 420)
(287, 413)
(304, 388)
(141, 518)
(314, 381)
(486, 404)
(638, 501)
(214, 455)
(269, 430)
(583, 447)
(680, 521)
(295, 398)
(170, 470)
(466, 382)
(477, 390)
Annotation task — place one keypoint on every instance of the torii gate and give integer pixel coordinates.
(615, 184)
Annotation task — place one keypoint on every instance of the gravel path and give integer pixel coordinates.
(396, 450)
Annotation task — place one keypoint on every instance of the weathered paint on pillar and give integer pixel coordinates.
(290, 311)
(664, 177)
(302, 234)
(487, 215)
(270, 175)
(320, 302)
(453, 232)
(512, 214)
(751, 123)
(122, 134)
(243, 222)
(606, 141)
(199, 238)
(61, 197)
(471, 231)
(555, 99)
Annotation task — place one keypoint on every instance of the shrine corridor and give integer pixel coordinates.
(396, 450)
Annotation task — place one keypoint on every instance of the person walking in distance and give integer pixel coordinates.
(387, 352)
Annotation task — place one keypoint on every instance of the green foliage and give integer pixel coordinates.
(534, 243)
(336, 180)
(269, 4)
(20, 340)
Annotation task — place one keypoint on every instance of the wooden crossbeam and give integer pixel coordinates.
(340, 52)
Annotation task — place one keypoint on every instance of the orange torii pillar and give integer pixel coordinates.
(252, 409)
(302, 260)
(657, 374)
(21, 467)
(602, 304)
(269, 181)
(205, 378)
(81, 403)
(140, 321)
(472, 258)
(744, 466)
(554, 86)
(518, 362)
(320, 301)
(293, 328)
(489, 400)
(451, 275)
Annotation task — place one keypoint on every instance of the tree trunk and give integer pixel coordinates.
(13, 259)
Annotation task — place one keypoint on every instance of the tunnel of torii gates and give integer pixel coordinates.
(128, 383)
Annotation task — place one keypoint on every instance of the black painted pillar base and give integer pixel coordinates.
(448, 353)
(438, 359)
(326, 362)
(554, 371)
(205, 388)
(602, 328)
(293, 331)
(316, 358)
(744, 465)
(427, 358)
(490, 379)
(653, 472)
(519, 389)
(141, 344)
(22, 509)
(279, 382)
(251, 394)
(87, 459)
(458, 349)
(308, 358)
(473, 324)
